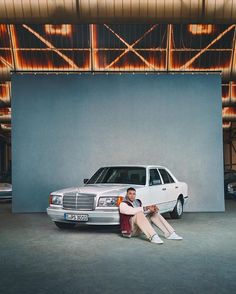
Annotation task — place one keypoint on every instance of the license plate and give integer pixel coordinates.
(76, 217)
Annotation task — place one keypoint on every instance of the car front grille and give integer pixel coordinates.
(78, 201)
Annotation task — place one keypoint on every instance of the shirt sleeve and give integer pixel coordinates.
(129, 210)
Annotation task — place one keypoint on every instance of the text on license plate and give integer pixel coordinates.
(76, 217)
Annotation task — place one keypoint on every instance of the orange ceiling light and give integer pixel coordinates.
(229, 112)
(97, 50)
(226, 125)
(5, 111)
(6, 127)
(121, 48)
(3, 28)
(45, 55)
(5, 91)
(201, 29)
(62, 29)
(233, 92)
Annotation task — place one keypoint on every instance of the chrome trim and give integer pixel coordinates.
(79, 201)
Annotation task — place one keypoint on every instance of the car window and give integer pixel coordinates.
(119, 175)
(170, 177)
(166, 176)
(154, 177)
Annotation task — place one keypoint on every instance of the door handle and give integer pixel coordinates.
(163, 189)
(176, 187)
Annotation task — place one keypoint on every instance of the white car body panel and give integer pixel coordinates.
(163, 195)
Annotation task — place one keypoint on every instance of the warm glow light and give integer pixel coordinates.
(62, 29)
(5, 111)
(229, 112)
(130, 48)
(226, 125)
(225, 99)
(233, 92)
(132, 68)
(195, 57)
(52, 47)
(3, 28)
(201, 29)
(157, 47)
(33, 65)
(6, 127)
(94, 63)
(5, 90)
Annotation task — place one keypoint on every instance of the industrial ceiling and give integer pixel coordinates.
(143, 41)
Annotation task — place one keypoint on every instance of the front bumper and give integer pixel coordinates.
(96, 217)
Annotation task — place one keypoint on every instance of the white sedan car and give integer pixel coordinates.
(96, 203)
(5, 191)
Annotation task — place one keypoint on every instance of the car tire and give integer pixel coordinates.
(178, 210)
(65, 226)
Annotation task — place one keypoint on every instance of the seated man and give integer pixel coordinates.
(133, 220)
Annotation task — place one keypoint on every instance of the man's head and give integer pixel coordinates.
(131, 193)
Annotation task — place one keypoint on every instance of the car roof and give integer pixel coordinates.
(135, 165)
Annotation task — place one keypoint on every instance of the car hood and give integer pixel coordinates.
(5, 187)
(99, 189)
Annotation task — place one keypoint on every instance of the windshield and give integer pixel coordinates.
(119, 175)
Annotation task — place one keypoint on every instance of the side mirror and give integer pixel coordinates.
(85, 181)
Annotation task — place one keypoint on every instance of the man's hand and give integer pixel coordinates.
(152, 208)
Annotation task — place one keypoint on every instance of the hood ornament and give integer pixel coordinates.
(77, 191)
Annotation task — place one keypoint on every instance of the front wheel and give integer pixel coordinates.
(178, 210)
(64, 226)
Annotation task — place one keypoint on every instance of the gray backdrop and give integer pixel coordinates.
(66, 127)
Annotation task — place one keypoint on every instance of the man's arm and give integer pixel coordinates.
(153, 208)
(126, 209)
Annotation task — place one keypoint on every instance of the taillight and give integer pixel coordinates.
(50, 199)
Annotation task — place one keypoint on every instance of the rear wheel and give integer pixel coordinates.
(178, 210)
(65, 226)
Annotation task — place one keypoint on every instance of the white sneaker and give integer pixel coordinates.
(174, 236)
(156, 239)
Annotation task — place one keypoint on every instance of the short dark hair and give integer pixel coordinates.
(130, 189)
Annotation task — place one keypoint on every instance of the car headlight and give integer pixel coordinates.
(231, 188)
(55, 199)
(111, 201)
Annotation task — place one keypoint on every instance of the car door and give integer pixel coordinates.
(157, 191)
(170, 187)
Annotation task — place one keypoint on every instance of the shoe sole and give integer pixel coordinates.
(157, 243)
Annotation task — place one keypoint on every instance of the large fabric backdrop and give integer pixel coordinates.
(67, 126)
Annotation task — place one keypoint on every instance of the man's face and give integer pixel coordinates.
(131, 195)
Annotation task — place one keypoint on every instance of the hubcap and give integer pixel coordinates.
(179, 207)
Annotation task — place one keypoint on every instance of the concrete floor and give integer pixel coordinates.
(36, 257)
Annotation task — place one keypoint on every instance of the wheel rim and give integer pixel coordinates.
(179, 207)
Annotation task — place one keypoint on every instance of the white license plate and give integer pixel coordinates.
(76, 217)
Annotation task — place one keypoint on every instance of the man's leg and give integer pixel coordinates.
(162, 224)
(140, 220)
